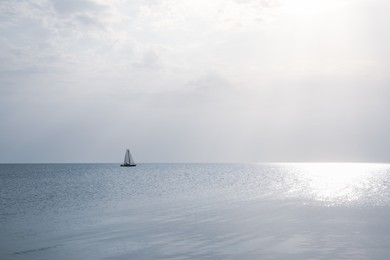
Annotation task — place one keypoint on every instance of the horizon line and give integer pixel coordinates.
(270, 162)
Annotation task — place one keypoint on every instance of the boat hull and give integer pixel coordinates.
(128, 165)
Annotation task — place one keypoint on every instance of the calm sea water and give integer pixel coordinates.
(195, 211)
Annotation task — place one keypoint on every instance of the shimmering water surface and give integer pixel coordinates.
(195, 211)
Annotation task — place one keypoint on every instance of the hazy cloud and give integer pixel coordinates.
(244, 80)
(75, 6)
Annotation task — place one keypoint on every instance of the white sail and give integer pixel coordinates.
(127, 157)
(128, 161)
(131, 161)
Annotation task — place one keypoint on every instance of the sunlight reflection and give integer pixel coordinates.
(337, 182)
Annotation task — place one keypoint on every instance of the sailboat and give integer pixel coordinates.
(128, 162)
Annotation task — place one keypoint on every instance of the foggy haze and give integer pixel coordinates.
(195, 81)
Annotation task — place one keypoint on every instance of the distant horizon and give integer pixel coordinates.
(275, 162)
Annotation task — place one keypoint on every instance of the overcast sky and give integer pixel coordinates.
(195, 80)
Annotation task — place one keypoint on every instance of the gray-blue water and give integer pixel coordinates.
(195, 211)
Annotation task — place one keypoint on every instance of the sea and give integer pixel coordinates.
(195, 211)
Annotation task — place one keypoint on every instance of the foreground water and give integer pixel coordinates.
(195, 211)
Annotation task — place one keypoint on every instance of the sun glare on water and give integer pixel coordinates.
(339, 183)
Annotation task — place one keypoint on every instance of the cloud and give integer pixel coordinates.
(149, 59)
(255, 76)
(70, 35)
(76, 6)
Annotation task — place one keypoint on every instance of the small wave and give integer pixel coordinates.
(35, 250)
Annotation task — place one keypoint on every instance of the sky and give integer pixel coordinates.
(195, 80)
